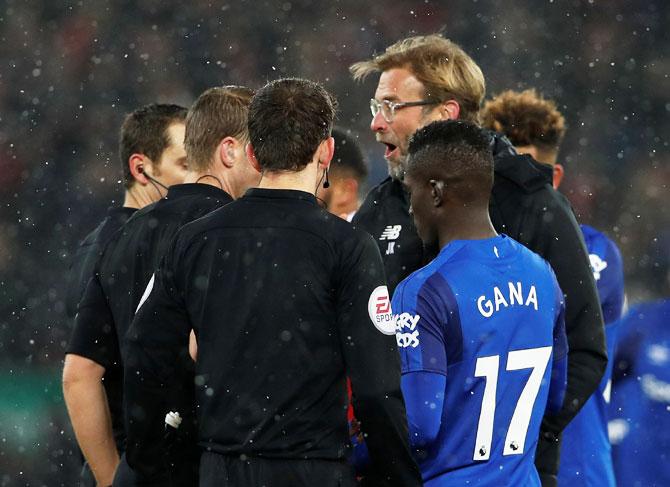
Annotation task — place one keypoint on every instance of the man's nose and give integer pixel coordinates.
(378, 123)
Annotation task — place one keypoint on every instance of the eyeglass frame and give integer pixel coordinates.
(396, 105)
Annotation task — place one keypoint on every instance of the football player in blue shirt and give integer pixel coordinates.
(536, 127)
(641, 398)
(480, 329)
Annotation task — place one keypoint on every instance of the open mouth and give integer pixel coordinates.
(389, 149)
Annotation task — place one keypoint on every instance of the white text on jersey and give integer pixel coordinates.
(406, 333)
(515, 297)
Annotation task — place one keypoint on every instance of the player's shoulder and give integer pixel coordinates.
(422, 279)
(649, 311)
(598, 242)
(533, 264)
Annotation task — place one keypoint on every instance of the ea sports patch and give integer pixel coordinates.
(379, 308)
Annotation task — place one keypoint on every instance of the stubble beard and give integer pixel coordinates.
(397, 169)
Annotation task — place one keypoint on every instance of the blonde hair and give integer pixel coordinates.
(445, 70)
(218, 112)
(526, 118)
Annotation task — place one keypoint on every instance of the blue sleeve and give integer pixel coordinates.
(420, 325)
(611, 285)
(424, 401)
(559, 369)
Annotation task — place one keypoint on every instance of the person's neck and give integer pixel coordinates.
(344, 208)
(470, 225)
(140, 196)
(211, 178)
(303, 180)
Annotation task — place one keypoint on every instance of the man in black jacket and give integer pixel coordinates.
(152, 137)
(428, 78)
(286, 301)
(218, 171)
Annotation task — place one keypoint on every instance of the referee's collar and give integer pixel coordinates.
(187, 189)
(289, 194)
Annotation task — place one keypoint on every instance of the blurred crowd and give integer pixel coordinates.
(71, 70)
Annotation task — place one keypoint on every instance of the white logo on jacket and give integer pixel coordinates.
(379, 308)
(391, 232)
(406, 333)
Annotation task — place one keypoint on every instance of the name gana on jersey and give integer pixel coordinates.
(515, 296)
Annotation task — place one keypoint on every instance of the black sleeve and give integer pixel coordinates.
(94, 334)
(156, 341)
(558, 238)
(367, 334)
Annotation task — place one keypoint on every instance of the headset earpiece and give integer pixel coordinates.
(326, 183)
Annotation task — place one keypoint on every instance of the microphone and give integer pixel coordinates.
(152, 180)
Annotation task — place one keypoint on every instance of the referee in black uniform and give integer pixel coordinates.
(218, 171)
(285, 300)
(152, 136)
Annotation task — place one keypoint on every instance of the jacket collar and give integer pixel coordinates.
(522, 170)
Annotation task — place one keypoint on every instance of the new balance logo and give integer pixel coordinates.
(391, 232)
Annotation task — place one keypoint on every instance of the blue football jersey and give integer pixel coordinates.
(640, 425)
(485, 318)
(586, 457)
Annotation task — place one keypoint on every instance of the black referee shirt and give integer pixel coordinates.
(84, 262)
(285, 300)
(126, 266)
(88, 252)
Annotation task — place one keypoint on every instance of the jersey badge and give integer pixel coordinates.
(597, 265)
(379, 308)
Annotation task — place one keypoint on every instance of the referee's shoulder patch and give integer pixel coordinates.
(379, 308)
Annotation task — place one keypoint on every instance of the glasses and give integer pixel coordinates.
(388, 107)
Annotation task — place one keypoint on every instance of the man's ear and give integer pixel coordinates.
(559, 172)
(437, 192)
(226, 151)
(325, 152)
(450, 110)
(138, 163)
(252, 157)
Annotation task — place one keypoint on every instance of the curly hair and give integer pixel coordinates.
(526, 118)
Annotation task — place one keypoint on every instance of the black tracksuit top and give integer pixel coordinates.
(524, 206)
(286, 300)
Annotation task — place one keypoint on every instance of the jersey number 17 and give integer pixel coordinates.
(487, 367)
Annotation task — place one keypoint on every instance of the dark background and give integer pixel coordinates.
(69, 71)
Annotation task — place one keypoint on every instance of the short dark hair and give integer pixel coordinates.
(348, 160)
(457, 152)
(144, 131)
(288, 119)
(219, 112)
